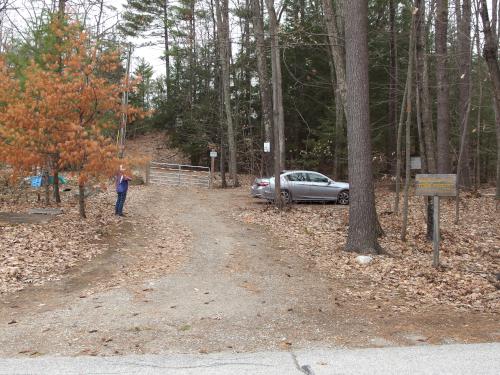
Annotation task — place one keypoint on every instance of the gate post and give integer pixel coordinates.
(148, 172)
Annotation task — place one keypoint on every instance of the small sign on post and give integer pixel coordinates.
(213, 155)
(436, 185)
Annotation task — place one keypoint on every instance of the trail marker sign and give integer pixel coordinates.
(442, 185)
(436, 185)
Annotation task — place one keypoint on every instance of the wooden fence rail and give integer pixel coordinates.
(177, 175)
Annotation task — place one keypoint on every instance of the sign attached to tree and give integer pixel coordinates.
(442, 185)
(267, 146)
(436, 185)
(416, 162)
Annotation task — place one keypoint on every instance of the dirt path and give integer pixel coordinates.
(233, 290)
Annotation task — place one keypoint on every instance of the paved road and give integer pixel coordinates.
(481, 359)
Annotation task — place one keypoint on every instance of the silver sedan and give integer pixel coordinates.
(307, 186)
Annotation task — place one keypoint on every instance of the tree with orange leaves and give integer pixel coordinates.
(64, 113)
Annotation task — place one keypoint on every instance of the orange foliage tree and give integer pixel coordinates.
(63, 114)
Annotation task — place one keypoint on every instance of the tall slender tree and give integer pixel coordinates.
(490, 53)
(393, 87)
(463, 14)
(222, 13)
(262, 71)
(443, 110)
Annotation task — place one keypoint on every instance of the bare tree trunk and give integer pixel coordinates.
(57, 195)
(166, 43)
(443, 107)
(81, 201)
(490, 53)
(424, 112)
(465, 60)
(423, 88)
(411, 52)
(477, 163)
(45, 179)
(61, 9)
(398, 145)
(337, 50)
(494, 18)
(222, 12)
(421, 144)
(264, 87)
(393, 90)
(55, 171)
(363, 222)
(278, 119)
(477, 167)
(460, 158)
(339, 132)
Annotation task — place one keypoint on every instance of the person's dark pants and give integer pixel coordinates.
(120, 201)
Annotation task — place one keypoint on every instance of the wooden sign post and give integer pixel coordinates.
(436, 185)
(213, 155)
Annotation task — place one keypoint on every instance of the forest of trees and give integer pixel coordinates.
(222, 62)
(385, 80)
(234, 72)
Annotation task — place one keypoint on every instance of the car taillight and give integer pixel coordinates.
(262, 183)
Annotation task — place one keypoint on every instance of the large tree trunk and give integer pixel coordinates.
(362, 236)
(222, 11)
(443, 110)
(464, 71)
(490, 52)
(265, 89)
(278, 119)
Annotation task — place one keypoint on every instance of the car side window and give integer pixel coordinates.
(301, 177)
(315, 177)
(296, 177)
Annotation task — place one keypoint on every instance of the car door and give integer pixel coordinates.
(320, 187)
(298, 185)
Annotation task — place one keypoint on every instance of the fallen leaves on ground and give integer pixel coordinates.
(35, 253)
(149, 241)
(470, 251)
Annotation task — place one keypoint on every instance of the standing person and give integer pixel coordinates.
(121, 183)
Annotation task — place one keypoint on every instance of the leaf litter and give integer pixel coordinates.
(32, 254)
(467, 278)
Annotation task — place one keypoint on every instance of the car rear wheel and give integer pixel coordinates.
(343, 197)
(287, 197)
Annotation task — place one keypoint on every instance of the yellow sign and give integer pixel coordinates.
(442, 185)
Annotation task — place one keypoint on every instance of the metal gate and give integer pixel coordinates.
(178, 175)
